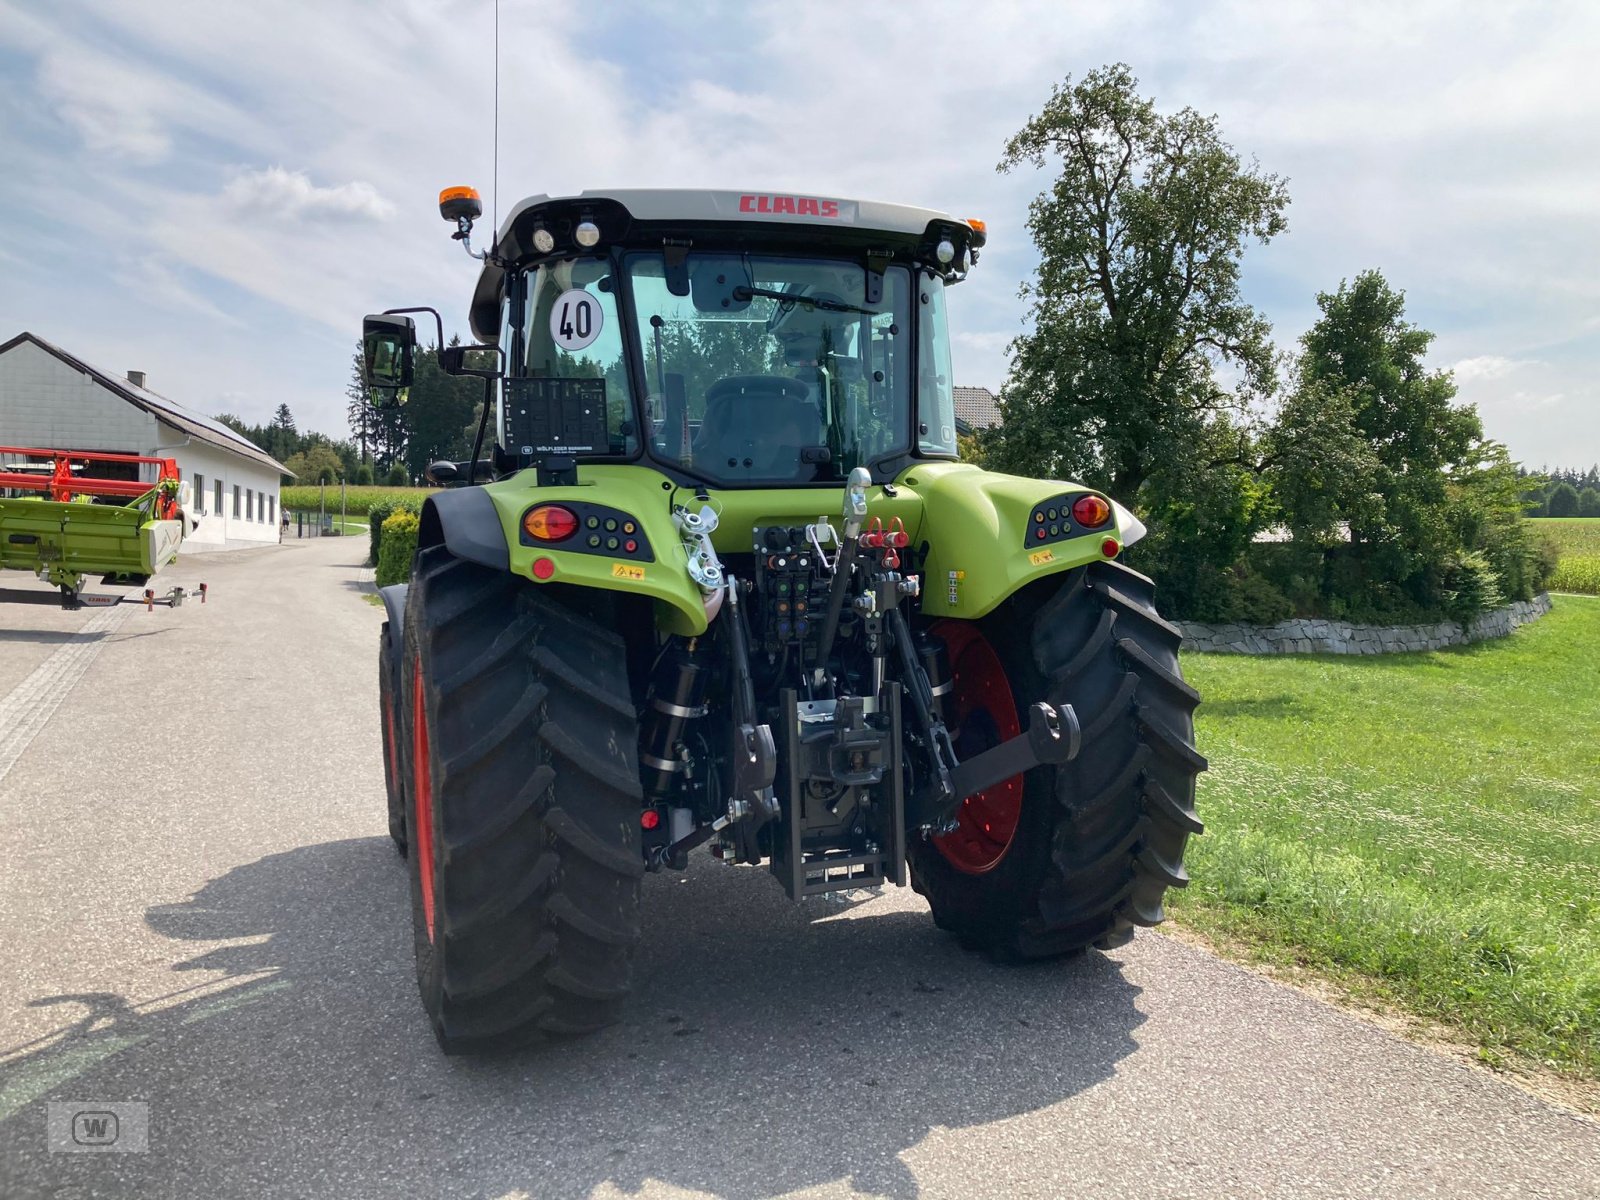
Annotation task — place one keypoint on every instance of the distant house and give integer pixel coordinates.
(976, 408)
(53, 400)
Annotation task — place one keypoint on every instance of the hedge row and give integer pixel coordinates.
(380, 512)
(398, 544)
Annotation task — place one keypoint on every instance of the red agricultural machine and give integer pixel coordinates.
(66, 515)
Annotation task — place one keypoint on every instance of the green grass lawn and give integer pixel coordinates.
(1579, 539)
(1423, 827)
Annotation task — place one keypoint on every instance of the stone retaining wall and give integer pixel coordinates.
(1312, 636)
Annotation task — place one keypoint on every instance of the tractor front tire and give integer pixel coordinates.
(1076, 855)
(524, 808)
(390, 727)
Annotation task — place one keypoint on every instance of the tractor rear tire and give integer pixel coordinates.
(524, 803)
(390, 726)
(1085, 850)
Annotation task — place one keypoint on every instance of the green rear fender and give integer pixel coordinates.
(658, 567)
(981, 536)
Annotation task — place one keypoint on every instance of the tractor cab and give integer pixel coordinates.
(729, 339)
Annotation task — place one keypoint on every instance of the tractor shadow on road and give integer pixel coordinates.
(50, 637)
(769, 1047)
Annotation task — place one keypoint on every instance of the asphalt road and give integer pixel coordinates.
(201, 910)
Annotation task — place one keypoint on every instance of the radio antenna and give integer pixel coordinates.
(494, 191)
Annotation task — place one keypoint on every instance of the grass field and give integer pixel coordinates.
(357, 500)
(1579, 539)
(1425, 828)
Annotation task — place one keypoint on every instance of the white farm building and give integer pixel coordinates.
(53, 400)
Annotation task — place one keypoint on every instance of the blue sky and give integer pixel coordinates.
(215, 192)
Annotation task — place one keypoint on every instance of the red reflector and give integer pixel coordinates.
(543, 568)
(550, 523)
(649, 818)
(1110, 547)
(1090, 511)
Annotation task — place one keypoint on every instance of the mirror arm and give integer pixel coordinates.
(438, 321)
(483, 423)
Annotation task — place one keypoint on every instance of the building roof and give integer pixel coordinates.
(169, 412)
(977, 407)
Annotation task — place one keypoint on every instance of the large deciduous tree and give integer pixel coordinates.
(1135, 305)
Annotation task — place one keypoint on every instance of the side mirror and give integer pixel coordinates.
(388, 397)
(388, 351)
(443, 472)
(482, 361)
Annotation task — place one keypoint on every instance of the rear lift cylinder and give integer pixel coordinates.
(677, 696)
(935, 659)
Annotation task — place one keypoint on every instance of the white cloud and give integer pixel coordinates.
(99, 99)
(157, 284)
(1484, 366)
(1417, 139)
(291, 196)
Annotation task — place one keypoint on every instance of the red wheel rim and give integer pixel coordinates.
(422, 835)
(980, 712)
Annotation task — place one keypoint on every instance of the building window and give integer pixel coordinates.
(199, 495)
(237, 501)
(217, 507)
(272, 509)
(249, 504)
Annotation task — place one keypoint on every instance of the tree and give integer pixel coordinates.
(1136, 301)
(397, 476)
(1322, 470)
(1450, 523)
(437, 410)
(1563, 501)
(285, 439)
(1589, 502)
(319, 463)
(380, 433)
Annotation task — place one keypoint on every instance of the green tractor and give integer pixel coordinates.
(721, 580)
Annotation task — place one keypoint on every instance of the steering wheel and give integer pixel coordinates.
(758, 385)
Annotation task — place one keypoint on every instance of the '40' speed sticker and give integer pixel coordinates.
(575, 320)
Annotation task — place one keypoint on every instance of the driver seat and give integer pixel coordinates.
(741, 414)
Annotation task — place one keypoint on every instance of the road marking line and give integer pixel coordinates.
(31, 704)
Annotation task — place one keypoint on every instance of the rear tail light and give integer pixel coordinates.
(1090, 511)
(550, 523)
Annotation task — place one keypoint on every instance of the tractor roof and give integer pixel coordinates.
(697, 205)
(633, 214)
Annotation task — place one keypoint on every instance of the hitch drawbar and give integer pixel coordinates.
(1053, 736)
